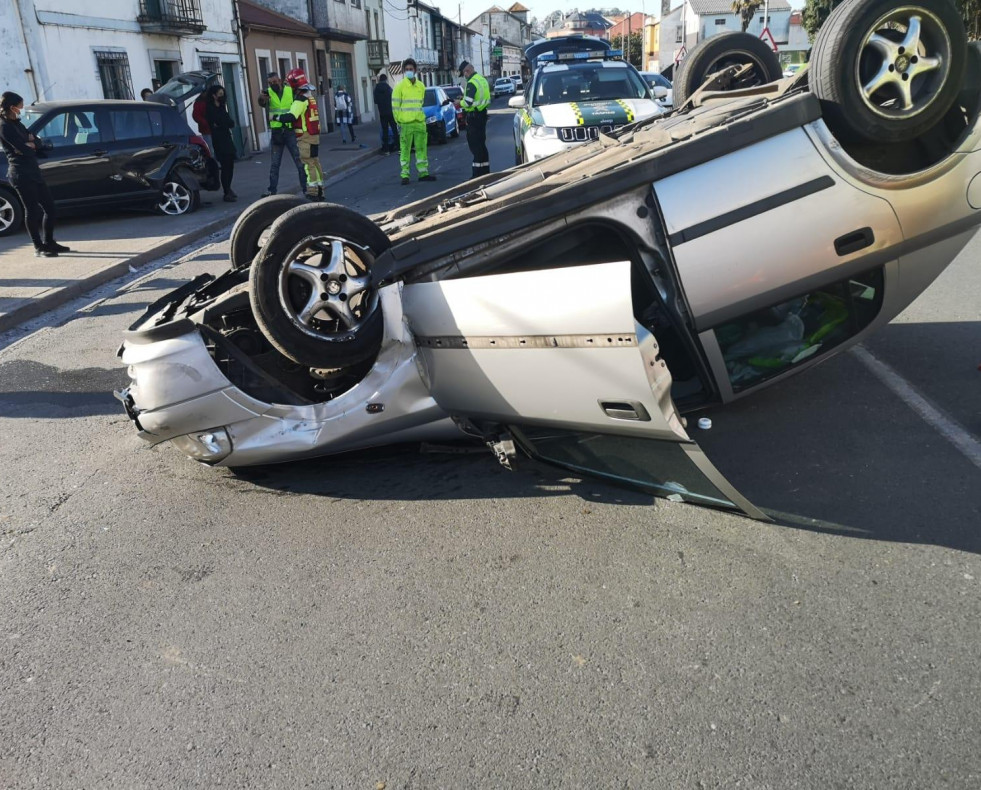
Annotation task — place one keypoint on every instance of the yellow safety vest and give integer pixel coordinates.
(482, 95)
(407, 102)
(279, 105)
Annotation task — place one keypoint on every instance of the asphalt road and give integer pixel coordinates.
(414, 619)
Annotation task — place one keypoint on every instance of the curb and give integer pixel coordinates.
(60, 295)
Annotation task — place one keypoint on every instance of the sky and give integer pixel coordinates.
(470, 9)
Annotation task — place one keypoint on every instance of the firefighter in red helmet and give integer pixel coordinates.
(307, 129)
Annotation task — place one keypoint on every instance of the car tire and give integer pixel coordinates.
(860, 49)
(176, 197)
(441, 132)
(716, 53)
(342, 325)
(247, 232)
(11, 212)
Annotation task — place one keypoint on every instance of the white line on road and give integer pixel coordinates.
(947, 427)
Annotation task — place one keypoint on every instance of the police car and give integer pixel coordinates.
(581, 88)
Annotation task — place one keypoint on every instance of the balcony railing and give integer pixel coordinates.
(173, 17)
(377, 54)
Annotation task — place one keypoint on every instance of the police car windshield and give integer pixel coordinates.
(583, 82)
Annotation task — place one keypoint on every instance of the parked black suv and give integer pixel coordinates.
(118, 154)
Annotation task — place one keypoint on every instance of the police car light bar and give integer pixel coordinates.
(605, 54)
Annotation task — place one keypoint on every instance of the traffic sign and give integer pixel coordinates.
(766, 34)
(680, 54)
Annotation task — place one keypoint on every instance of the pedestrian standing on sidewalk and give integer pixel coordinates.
(476, 99)
(389, 129)
(344, 112)
(278, 99)
(24, 173)
(199, 112)
(407, 100)
(221, 123)
(307, 129)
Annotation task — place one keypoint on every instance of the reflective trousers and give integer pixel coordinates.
(414, 135)
(309, 145)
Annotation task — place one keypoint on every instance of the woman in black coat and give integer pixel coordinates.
(221, 123)
(23, 172)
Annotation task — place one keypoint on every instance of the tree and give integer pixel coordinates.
(816, 11)
(632, 47)
(746, 10)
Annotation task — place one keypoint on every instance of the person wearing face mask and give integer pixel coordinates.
(221, 125)
(407, 100)
(24, 174)
(278, 99)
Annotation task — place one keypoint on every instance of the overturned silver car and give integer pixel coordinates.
(577, 308)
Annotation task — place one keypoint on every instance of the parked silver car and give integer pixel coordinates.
(577, 308)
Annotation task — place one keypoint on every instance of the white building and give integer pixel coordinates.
(370, 57)
(66, 49)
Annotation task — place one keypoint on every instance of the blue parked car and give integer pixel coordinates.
(440, 115)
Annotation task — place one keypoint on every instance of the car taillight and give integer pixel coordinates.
(196, 139)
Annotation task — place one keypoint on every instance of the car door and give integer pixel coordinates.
(778, 255)
(557, 358)
(138, 150)
(75, 164)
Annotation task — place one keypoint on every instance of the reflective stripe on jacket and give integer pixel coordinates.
(407, 102)
(279, 105)
(477, 95)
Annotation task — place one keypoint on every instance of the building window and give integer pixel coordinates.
(117, 83)
(377, 29)
(263, 70)
(211, 64)
(720, 21)
(285, 67)
(678, 36)
(301, 64)
(355, 3)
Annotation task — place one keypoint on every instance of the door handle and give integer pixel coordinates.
(854, 241)
(625, 410)
(100, 153)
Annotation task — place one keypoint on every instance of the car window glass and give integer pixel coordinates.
(592, 82)
(156, 123)
(430, 99)
(130, 124)
(73, 127)
(174, 124)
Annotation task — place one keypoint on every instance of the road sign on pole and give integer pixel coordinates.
(680, 54)
(766, 35)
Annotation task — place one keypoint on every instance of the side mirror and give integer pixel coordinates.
(660, 92)
(47, 145)
(445, 102)
(517, 102)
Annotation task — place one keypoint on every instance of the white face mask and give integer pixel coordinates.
(410, 75)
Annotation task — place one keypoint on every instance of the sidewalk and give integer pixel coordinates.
(106, 246)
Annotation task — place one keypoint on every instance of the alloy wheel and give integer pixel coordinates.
(904, 61)
(175, 199)
(325, 286)
(7, 214)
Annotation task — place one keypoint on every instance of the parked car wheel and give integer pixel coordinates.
(176, 197)
(11, 212)
(253, 224)
(311, 289)
(719, 52)
(439, 133)
(456, 132)
(888, 73)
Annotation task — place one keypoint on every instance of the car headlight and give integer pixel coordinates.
(545, 132)
(206, 446)
(431, 119)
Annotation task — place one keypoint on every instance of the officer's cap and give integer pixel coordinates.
(463, 66)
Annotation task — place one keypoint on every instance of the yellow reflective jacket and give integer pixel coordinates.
(407, 101)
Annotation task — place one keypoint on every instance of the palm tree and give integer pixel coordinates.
(746, 10)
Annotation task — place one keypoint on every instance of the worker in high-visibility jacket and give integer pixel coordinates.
(278, 99)
(307, 129)
(476, 99)
(407, 100)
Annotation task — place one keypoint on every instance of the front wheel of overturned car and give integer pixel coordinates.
(716, 54)
(253, 224)
(311, 286)
(888, 71)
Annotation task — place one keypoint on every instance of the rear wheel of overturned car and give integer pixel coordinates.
(311, 286)
(176, 197)
(11, 212)
(888, 71)
(716, 54)
(251, 229)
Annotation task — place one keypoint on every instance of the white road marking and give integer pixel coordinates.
(946, 426)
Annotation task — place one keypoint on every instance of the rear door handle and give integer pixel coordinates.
(854, 241)
(100, 153)
(625, 410)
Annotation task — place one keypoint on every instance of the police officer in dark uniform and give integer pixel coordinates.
(476, 100)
